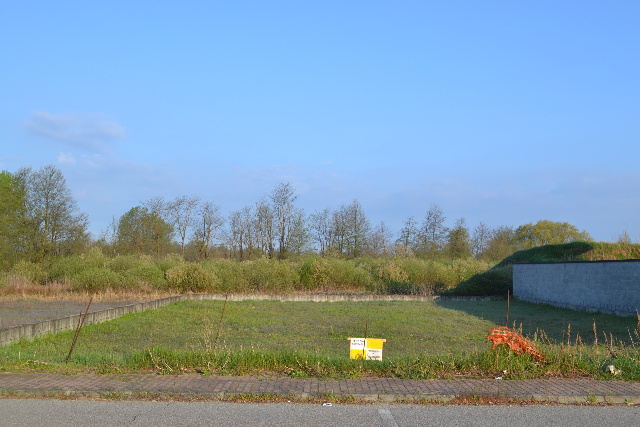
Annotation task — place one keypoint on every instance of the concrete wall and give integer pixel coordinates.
(33, 330)
(606, 286)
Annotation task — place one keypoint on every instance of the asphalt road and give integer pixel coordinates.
(35, 412)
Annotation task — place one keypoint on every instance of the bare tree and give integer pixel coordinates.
(381, 238)
(338, 229)
(235, 234)
(298, 235)
(433, 233)
(480, 239)
(408, 234)
(207, 227)
(282, 198)
(264, 227)
(181, 211)
(247, 223)
(357, 229)
(320, 226)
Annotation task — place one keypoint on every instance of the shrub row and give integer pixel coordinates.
(95, 272)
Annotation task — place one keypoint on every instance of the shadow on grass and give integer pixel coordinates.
(558, 324)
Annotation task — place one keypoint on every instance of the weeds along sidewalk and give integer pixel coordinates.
(191, 386)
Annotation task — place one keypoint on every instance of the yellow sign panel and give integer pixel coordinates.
(366, 348)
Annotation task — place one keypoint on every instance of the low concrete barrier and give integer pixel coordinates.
(32, 330)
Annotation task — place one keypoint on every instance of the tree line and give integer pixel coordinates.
(40, 219)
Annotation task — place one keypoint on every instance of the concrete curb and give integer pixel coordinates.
(383, 390)
(303, 397)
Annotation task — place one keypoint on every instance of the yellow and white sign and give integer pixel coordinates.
(366, 348)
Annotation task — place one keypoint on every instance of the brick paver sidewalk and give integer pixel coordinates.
(376, 389)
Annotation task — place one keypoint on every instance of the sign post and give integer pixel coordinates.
(366, 348)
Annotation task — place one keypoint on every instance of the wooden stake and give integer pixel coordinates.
(80, 323)
(220, 324)
(366, 328)
(507, 325)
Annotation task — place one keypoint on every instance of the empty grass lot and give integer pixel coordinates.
(424, 340)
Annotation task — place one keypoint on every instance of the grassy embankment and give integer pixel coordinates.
(424, 340)
(499, 279)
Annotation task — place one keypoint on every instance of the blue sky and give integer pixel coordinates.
(502, 112)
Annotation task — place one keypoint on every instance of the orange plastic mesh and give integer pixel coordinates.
(515, 341)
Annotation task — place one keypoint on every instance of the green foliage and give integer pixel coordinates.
(32, 272)
(546, 232)
(65, 267)
(230, 275)
(145, 274)
(500, 244)
(334, 274)
(350, 274)
(496, 281)
(191, 277)
(122, 263)
(170, 261)
(459, 241)
(52, 225)
(574, 251)
(95, 258)
(12, 199)
(96, 279)
(269, 275)
(316, 273)
(143, 232)
(62, 268)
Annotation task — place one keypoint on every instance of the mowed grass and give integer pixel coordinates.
(424, 339)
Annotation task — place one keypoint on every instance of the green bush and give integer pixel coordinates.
(315, 274)
(122, 263)
(33, 272)
(393, 287)
(270, 275)
(419, 271)
(496, 281)
(66, 267)
(96, 279)
(145, 274)
(229, 273)
(95, 258)
(170, 261)
(349, 275)
(191, 277)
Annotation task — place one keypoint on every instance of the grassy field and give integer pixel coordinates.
(424, 340)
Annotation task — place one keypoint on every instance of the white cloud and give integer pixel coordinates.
(95, 161)
(66, 158)
(88, 131)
